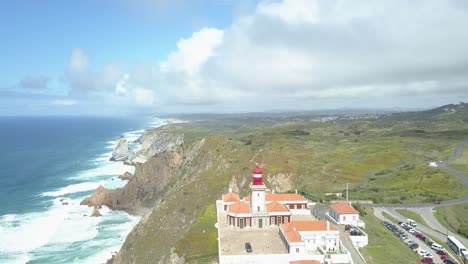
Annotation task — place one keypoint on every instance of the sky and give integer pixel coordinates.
(126, 57)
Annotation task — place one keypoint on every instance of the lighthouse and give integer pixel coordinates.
(257, 198)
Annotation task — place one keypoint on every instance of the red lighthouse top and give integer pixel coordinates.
(257, 170)
(257, 177)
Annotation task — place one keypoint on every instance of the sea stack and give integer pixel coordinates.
(122, 151)
(96, 212)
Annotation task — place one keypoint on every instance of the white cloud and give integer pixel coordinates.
(291, 11)
(193, 52)
(78, 60)
(294, 52)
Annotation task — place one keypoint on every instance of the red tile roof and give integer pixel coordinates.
(304, 262)
(276, 207)
(231, 197)
(239, 208)
(293, 228)
(281, 197)
(343, 208)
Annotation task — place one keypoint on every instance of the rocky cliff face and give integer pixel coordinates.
(150, 178)
(122, 151)
(155, 141)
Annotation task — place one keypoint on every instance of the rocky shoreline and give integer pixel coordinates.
(158, 155)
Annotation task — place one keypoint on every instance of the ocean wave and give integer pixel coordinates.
(61, 228)
(105, 169)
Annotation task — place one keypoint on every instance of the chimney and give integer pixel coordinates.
(328, 226)
(230, 189)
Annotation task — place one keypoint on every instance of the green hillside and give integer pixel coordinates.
(382, 160)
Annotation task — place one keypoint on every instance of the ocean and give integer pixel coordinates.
(47, 166)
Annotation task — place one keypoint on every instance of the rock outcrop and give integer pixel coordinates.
(150, 178)
(96, 212)
(153, 142)
(122, 151)
(126, 176)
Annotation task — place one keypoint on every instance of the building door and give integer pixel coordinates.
(272, 220)
(260, 223)
(241, 223)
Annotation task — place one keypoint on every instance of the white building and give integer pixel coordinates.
(262, 208)
(302, 237)
(344, 214)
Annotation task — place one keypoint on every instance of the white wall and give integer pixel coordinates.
(348, 219)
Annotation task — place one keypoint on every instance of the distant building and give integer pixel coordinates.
(303, 236)
(344, 214)
(262, 208)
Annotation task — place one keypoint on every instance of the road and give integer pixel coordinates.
(378, 212)
(457, 152)
(426, 209)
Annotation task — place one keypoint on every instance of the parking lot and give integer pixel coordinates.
(418, 242)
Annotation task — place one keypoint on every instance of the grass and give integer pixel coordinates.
(461, 163)
(412, 215)
(200, 245)
(384, 161)
(389, 217)
(454, 217)
(383, 245)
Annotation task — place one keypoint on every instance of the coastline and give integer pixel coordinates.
(62, 225)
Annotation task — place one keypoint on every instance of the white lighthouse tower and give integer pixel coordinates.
(257, 199)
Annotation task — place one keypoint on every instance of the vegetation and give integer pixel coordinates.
(412, 215)
(454, 217)
(383, 245)
(461, 163)
(383, 160)
(199, 245)
(389, 217)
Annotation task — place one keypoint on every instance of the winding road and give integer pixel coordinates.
(426, 209)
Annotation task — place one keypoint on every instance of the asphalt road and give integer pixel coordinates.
(426, 209)
(422, 245)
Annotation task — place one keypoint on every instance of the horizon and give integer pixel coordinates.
(128, 58)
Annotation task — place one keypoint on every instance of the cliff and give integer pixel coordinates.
(122, 151)
(151, 177)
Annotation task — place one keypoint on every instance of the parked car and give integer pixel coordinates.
(436, 246)
(450, 261)
(429, 243)
(441, 252)
(442, 257)
(418, 235)
(428, 255)
(248, 247)
(422, 252)
(427, 260)
(414, 246)
(404, 236)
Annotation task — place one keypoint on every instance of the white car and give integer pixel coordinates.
(422, 253)
(428, 255)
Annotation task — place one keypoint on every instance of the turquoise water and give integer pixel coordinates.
(48, 161)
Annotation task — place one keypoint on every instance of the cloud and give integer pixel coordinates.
(29, 82)
(293, 53)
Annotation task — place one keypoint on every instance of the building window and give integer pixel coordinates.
(297, 250)
(279, 220)
(344, 218)
(354, 217)
(258, 208)
(286, 220)
(258, 194)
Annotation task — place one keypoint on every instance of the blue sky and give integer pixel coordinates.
(151, 56)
